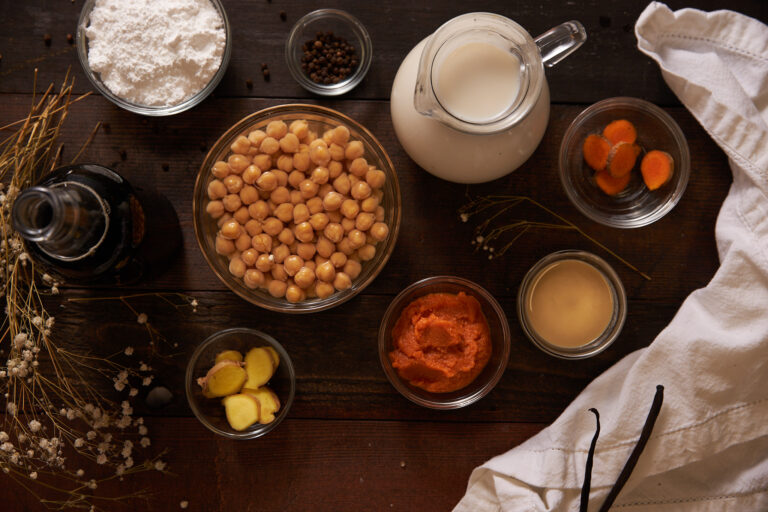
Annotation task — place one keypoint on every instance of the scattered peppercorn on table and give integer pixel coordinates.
(350, 441)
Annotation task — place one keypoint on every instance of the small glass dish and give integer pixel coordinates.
(148, 110)
(210, 411)
(500, 340)
(618, 299)
(342, 24)
(319, 119)
(635, 206)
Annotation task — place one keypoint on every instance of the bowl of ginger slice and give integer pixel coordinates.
(624, 162)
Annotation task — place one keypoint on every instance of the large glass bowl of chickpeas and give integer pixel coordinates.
(297, 208)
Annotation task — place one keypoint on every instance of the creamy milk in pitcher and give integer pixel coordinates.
(470, 103)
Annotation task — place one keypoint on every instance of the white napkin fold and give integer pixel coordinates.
(709, 448)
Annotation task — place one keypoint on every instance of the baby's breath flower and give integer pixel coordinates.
(120, 470)
(54, 290)
(70, 414)
(49, 322)
(101, 459)
(160, 465)
(33, 475)
(129, 351)
(133, 392)
(145, 442)
(19, 339)
(119, 385)
(79, 442)
(464, 217)
(184, 504)
(142, 318)
(147, 381)
(11, 408)
(128, 462)
(91, 435)
(3, 436)
(6, 447)
(142, 430)
(92, 484)
(79, 472)
(37, 321)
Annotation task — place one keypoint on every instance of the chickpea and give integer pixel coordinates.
(350, 208)
(296, 198)
(379, 231)
(238, 163)
(253, 226)
(311, 265)
(315, 205)
(280, 195)
(320, 175)
(294, 294)
(319, 260)
(259, 210)
(304, 232)
(324, 247)
(345, 247)
(256, 136)
(215, 209)
(263, 162)
(347, 224)
(289, 143)
(282, 177)
(327, 134)
(301, 161)
(224, 219)
(335, 169)
(220, 169)
(338, 259)
(334, 232)
(262, 242)
(342, 184)
(300, 129)
(269, 146)
(285, 163)
(352, 268)
(241, 215)
(304, 277)
(277, 288)
(249, 255)
(356, 238)
(277, 129)
(332, 201)
(324, 290)
(336, 152)
(265, 262)
(308, 189)
(306, 251)
(292, 264)
(284, 212)
(234, 183)
(353, 180)
(364, 221)
(379, 214)
(319, 221)
(241, 145)
(358, 167)
(295, 177)
(375, 178)
(340, 135)
(253, 278)
(278, 272)
(216, 190)
(272, 226)
(237, 267)
(366, 252)
(267, 181)
(224, 246)
(342, 281)
(320, 155)
(361, 190)
(369, 204)
(326, 272)
(231, 230)
(300, 213)
(281, 252)
(354, 150)
(335, 216)
(249, 194)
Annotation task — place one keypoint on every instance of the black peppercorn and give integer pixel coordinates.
(328, 59)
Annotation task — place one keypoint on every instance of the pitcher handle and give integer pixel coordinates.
(559, 42)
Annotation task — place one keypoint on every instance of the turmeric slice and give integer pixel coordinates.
(596, 149)
(622, 158)
(610, 184)
(657, 168)
(620, 130)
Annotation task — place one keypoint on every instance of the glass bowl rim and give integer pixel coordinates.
(338, 297)
(285, 359)
(148, 110)
(462, 401)
(363, 38)
(682, 168)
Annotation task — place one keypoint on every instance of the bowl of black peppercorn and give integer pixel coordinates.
(328, 52)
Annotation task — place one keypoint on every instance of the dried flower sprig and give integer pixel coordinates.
(497, 224)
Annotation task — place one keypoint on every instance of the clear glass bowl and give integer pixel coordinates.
(635, 206)
(342, 24)
(500, 340)
(166, 110)
(210, 411)
(612, 330)
(320, 119)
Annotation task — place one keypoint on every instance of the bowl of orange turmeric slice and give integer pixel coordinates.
(624, 162)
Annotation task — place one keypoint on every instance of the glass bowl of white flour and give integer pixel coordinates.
(154, 57)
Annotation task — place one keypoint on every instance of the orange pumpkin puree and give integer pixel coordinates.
(442, 342)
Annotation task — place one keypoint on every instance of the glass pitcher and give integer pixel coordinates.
(471, 103)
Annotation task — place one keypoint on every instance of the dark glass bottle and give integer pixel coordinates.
(85, 223)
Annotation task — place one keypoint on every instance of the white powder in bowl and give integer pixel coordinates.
(155, 52)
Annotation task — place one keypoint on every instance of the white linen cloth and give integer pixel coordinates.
(709, 448)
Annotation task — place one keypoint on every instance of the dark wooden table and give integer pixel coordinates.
(351, 442)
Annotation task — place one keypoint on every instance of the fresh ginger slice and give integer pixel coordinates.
(622, 159)
(270, 404)
(657, 168)
(275, 356)
(242, 410)
(596, 149)
(229, 355)
(620, 130)
(225, 378)
(259, 366)
(609, 184)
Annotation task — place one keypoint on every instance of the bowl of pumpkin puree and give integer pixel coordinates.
(444, 342)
